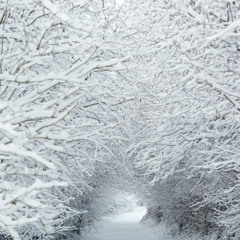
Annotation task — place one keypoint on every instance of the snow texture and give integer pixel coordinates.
(124, 226)
(128, 226)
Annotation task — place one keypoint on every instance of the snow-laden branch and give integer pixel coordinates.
(15, 150)
(63, 17)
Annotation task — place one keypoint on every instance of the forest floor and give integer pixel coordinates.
(123, 226)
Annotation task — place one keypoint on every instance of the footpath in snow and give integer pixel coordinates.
(124, 226)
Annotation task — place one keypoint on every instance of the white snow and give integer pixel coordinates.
(124, 226)
(127, 226)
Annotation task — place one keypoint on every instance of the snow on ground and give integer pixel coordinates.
(123, 226)
(126, 226)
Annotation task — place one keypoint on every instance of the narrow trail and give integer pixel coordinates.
(122, 227)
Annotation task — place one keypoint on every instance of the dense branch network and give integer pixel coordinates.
(141, 96)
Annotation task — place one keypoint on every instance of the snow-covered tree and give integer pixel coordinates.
(188, 132)
(57, 99)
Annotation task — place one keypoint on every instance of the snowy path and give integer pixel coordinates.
(122, 227)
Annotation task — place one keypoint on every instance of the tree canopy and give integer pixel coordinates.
(99, 97)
